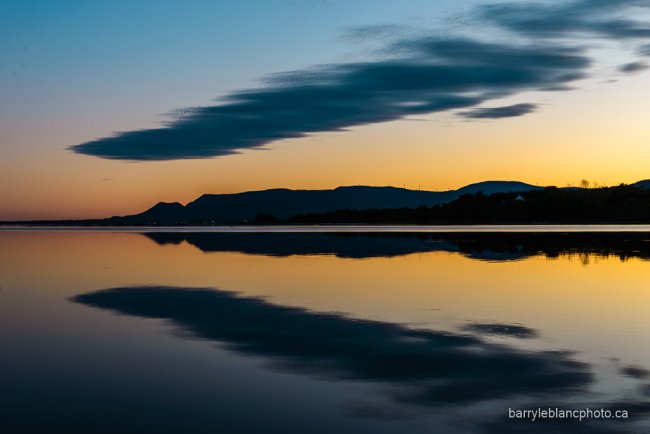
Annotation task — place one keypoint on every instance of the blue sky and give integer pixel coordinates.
(161, 55)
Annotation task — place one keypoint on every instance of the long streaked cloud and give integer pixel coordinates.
(633, 67)
(420, 367)
(601, 18)
(500, 112)
(416, 76)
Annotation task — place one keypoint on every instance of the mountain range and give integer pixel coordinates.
(283, 203)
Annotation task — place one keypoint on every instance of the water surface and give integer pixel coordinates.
(154, 330)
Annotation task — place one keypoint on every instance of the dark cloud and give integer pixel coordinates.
(637, 372)
(600, 18)
(633, 67)
(513, 330)
(413, 76)
(423, 367)
(437, 75)
(500, 112)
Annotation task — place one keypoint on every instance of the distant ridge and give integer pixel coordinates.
(489, 187)
(489, 202)
(281, 203)
(642, 184)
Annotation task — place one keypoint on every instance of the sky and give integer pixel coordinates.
(108, 107)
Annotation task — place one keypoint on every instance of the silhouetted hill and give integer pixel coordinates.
(492, 202)
(643, 184)
(164, 210)
(489, 187)
(268, 206)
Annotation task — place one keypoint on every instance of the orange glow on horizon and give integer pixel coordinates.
(582, 136)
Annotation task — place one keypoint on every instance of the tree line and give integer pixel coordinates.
(620, 204)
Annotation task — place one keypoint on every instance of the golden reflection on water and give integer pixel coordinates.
(592, 304)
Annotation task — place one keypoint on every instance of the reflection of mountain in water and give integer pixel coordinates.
(413, 367)
(483, 245)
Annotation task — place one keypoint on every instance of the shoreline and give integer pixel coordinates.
(333, 228)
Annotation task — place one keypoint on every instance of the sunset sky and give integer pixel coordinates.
(108, 107)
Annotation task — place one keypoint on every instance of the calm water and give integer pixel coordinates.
(349, 228)
(320, 332)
